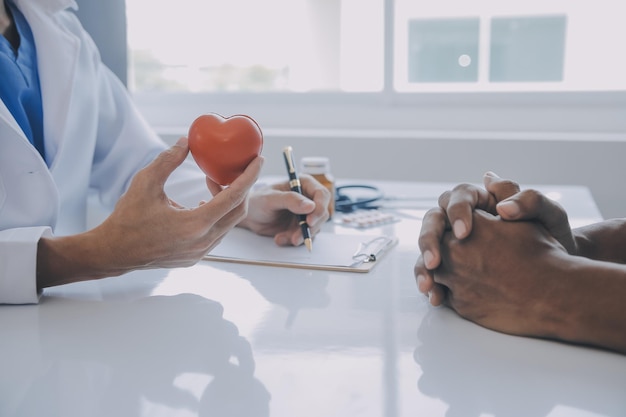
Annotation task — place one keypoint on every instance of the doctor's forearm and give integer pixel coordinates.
(67, 259)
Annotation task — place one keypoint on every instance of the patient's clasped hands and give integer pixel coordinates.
(508, 260)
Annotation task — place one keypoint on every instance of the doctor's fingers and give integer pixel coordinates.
(321, 196)
(460, 203)
(197, 234)
(316, 210)
(245, 180)
(230, 204)
(313, 202)
(314, 190)
(159, 170)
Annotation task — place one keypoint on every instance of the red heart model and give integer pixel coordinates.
(224, 146)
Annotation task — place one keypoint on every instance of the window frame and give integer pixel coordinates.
(576, 113)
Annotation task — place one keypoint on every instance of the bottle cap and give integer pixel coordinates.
(315, 165)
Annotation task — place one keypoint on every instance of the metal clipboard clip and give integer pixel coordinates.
(371, 250)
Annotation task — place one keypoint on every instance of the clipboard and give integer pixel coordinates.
(331, 251)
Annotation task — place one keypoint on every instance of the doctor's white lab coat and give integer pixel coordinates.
(94, 139)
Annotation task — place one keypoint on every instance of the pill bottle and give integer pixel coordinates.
(319, 168)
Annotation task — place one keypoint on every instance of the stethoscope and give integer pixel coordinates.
(369, 197)
(346, 204)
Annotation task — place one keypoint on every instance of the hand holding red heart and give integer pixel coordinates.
(224, 146)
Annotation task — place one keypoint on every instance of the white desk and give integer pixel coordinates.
(225, 340)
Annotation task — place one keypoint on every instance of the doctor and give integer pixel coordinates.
(68, 126)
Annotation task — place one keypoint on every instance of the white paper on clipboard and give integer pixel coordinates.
(331, 251)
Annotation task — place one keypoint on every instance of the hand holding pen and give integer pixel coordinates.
(294, 184)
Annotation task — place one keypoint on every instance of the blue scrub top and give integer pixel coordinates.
(19, 81)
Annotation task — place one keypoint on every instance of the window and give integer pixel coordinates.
(493, 45)
(252, 45)
(398, 57)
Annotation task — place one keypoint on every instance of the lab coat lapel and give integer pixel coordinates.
(7, 118)
(15, 132)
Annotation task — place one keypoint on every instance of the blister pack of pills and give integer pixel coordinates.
(362, 219)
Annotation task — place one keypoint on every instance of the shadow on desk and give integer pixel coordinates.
(164, 353)
(478, 371)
